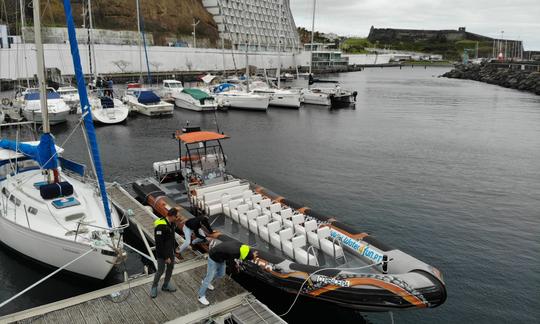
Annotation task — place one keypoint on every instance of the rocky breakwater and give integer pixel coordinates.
(496, 74)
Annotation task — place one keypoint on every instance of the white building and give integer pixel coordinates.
(262, 23)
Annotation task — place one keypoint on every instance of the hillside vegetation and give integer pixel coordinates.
(163, 18)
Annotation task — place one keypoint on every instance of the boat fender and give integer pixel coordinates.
(385, 264)
(6, 101)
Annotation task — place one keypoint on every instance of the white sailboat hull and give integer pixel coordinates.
(247, 102)
(54, 251)
(110, 115)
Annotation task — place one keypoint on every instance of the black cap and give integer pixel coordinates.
(172, 212)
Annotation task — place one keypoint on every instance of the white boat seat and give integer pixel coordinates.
(240, 210)
(275, 207)
(295, 220)
(315, 237)
(250, 216)
(277, 217)
(215, 196)
(199, 192)
(310, 225)
(301, 255)
(331, 248)
(285, 236)
(266, 231)
(246, 195)
(263, 204)
(217, 208)
(286, 213)
(255, 199)
(233, 204)
(258, 223)
(275, 238)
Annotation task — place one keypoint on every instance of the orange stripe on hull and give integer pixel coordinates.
(376, 283)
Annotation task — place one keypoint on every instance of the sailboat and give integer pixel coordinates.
(51, 211)
(139, 99)
(106, 109)
(332, 97)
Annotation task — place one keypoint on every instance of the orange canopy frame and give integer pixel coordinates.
(196, 137)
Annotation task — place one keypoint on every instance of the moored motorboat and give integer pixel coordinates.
(300, 250)
(31, 108)
(70, 95)
(277, 97)
(233, 96)
(108, 110)
(146, 102)
(168, 89)
(195, 99)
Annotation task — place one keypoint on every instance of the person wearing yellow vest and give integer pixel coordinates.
(164, 234)
(217, 257)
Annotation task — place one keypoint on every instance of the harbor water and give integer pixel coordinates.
(445, 170)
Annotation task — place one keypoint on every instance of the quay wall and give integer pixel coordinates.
(111, 59)
(521, 76)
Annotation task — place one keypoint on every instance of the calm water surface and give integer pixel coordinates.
(446, 170)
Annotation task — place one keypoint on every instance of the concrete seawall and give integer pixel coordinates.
(113, 59)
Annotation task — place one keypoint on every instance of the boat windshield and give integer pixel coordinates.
(174, 85)
(206, 160)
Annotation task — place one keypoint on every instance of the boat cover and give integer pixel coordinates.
(223, 87)
(197, 94)
(44, 153)
(35, 95)
(147, 97)
(107, 102)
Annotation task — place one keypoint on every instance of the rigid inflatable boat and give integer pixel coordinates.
(301, 251)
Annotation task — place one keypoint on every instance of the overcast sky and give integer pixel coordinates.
(519, 19)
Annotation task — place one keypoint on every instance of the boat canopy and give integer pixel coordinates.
(147, 97)
(44, 153)
(35, 95)
(196, 137)
(197, 93)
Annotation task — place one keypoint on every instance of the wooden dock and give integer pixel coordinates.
(130, 302)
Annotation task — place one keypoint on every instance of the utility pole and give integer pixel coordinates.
(195, 23)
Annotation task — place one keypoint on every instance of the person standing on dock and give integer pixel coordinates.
(217, 257)
(194, 225)
(164, 232)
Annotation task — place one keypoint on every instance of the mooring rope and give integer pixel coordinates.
(311, 274)
(45, 278)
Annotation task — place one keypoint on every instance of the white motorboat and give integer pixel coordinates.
(277, 97)
(31, 108)
(107, 110)
(334, 97)
(233, 96)
(316, 97)
(195, 99)
(70, 96)
(146, 102)
(168, 89)
(50, 213)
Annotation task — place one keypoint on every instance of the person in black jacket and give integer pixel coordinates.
(164, 231)
(217, 257)
(194, 225)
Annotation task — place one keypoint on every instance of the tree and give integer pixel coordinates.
(121, 65)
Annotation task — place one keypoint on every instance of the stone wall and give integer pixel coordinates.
(513, 76)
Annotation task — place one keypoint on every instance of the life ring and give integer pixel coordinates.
(6, 101)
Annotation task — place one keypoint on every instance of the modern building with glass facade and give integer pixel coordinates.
(265, 25)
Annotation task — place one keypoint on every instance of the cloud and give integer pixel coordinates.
(520, 19)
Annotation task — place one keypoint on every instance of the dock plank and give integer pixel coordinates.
(149, 307)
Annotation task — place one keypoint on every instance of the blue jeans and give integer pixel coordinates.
(187, 238)
(214, 270)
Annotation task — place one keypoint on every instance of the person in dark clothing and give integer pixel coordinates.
(217, 257)
(194, 225)
(164, 233)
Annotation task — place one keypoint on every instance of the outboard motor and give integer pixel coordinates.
(354, 94)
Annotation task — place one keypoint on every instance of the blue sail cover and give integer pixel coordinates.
(147, 97)
(223, 87)
(35, 95)
(85, 106)
(44, 153)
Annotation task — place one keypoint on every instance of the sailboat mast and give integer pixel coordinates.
(140, 41)
(91, 39)
(312, 36)
(23, 25)
(280, 28)
(41, 68)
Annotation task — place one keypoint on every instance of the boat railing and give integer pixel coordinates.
(312, 248)
(342, 249)
(117, 229)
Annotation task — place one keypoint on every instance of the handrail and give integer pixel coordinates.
(341, 246)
